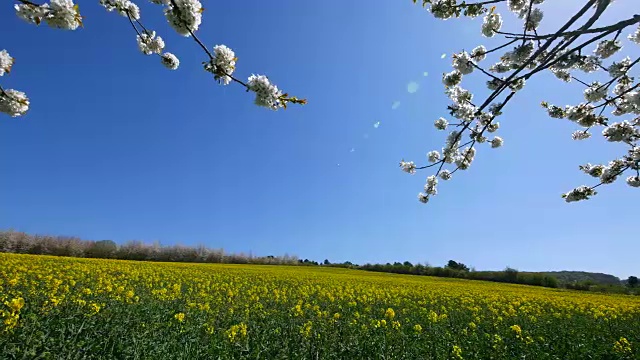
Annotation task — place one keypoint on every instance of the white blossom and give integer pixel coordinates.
(633, 98)
(445, 174)
(517, 84)
(492, 23)
(533, 19)
(32, 13)
(223, 64)
(634, 153)
(635, 37)
(465, 112)
(433, 156)
(267, 94)
(593, 170)
(408, 167)
(606, 48)
(580, 135)
(595, 92)
(443, 9)
(63, 14)
(499, 68)
(186, 17)
(589, 64)
(13, 102)
(458, 94)
(497, 142)
(150, 43)
(618, 69)
(465, 158)
(60, 14)
(423, 198)
(611, 171)
(170, 61)
(563, 75)
(479, 53)
(463, 63)
(431, 186)
(579, 193)
(516, 5)
(633, 181)
(441, 123)
(451, 79)
(620, 89)
(519, 55)
(622, 131)
(493, 126)
(6, 62)
(125, 8)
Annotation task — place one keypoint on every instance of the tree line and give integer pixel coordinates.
(23, 243)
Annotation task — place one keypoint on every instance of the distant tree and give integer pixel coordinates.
(632, 281)
(102, 249)
(408, 264)
(511, 275)
(454, 265)
(326, 262)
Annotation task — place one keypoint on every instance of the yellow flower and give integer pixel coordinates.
(11, 321)
(516, 329)
(417, 328)
(15, 304)
(622, 346)
(94, 307)
(179, 317)
(389, 314)
(456, 352)
(306, 329)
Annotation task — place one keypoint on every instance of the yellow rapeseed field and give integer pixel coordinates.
(65, 308)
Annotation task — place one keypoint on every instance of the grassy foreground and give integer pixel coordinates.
(65, 308)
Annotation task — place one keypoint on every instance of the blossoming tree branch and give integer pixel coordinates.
(574, 50)
(184, 16)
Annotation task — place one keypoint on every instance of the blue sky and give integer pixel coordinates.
(117, 147)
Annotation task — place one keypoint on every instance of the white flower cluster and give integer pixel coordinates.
(479, 53)
(222, 65)
(452, 79)
(621, 132)
(635, 37)
(462, 62)
(580, 135)
(59, 14)
(530, 55)
(6, 62)
(441, 124)
(149, 43)
(12, 102)
(579, 193)
(184, 16)
(267, 94)
(433, 156)
(595, 92)
(170, 61)
(125, 8)
(606, 48)
(408, 167)
(491, 24)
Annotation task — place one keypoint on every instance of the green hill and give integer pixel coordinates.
(568, 277)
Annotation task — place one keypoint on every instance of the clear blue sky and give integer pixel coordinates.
(117, 147)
